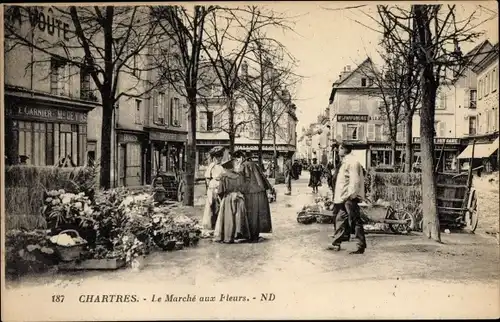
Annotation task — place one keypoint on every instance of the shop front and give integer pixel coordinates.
(379, 157)
(486, 152)
(166, 154)
(446, 151)
(202, 155)
(45, 131)
(131, 156)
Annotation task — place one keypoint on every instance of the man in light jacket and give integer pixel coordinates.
(349, 190)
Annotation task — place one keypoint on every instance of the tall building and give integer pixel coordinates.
(54, 110)
(355, 114)
(51, 107)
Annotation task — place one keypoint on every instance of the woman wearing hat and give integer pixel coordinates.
(255, 192)
(232, 222)
(316, 170)
(212, 176)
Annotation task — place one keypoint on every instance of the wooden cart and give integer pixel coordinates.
(456, 199)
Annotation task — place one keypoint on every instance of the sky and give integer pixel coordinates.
(324, 41)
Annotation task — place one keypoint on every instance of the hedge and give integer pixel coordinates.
(25, 187)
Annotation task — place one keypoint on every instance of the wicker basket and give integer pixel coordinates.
(70, 253)
(306, 218)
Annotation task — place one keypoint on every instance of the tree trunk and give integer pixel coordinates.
(393, 149)
(429, 88)
(430, 213)
(232, 130)
(189, 175)
(275, 153)
(261, 139)
(106, 138)
(409, 143)
(261, 163)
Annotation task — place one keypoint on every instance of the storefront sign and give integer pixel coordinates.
(161, 136)
(46, 22)
(440, 140)
(352, 118)
(48, 113)
(125, 137)
(378, 118)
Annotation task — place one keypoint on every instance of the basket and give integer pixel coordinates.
(324, 218)
(70, 253)
(306, 218)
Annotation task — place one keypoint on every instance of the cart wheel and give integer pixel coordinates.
(472, 213)
(403, 228)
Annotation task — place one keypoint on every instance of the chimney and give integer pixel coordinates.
(346, 72)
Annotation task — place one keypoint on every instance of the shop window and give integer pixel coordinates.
(36, 143)
(68, 144)
(380, 158)
(59, 77)
(175, 112)
(472, 125)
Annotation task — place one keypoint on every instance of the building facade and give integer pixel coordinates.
(50, 105)
(54, 110)
(355, 116)
(485, 139)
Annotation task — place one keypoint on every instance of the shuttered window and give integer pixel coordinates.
(36, 141)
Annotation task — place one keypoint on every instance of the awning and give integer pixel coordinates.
(480, 150)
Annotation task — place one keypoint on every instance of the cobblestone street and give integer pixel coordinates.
(294, 256)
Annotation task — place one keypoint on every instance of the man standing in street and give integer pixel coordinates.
(349, 190)
(289, 173)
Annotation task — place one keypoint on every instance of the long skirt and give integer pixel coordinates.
(259, 214)
(232, 221)
(211, 208)
(315, 180)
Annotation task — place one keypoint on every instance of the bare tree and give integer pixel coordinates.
(436, 34)
(229, 34)
(391, 86)
(178, 60)
(112, 40)
(261, 83)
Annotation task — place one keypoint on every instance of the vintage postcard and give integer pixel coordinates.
(250, 160)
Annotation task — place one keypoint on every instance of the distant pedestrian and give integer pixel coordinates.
(296, 169)
(316, 171)
(349, 190)
(289, 174)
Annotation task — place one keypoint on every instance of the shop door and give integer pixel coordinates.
(133, 165)
(122, 153)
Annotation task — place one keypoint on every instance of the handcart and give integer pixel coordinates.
(397, 220)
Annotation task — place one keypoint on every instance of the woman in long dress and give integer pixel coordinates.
(212, 176)
(232, 222)
(255, 192)
(316, 171)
